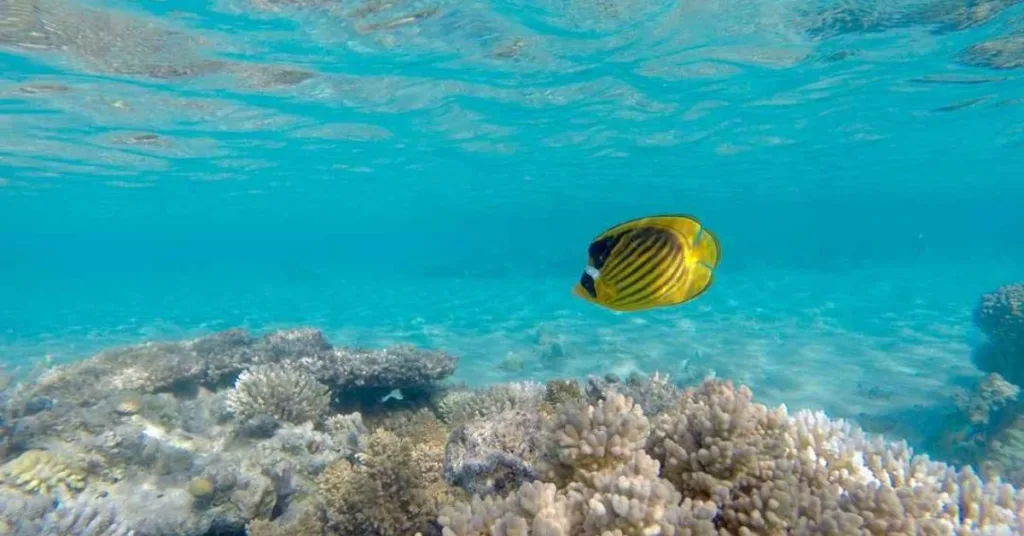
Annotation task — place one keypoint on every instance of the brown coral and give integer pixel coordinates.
(397, 486)
(43, 471)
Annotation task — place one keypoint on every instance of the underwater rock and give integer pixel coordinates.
(22, 514)
(493, 455)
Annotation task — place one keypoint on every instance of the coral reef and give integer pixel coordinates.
(1000, 316)
(256, 440)
(718, 463)
(461, 405)
(278, 391)
(396, 485)
(492, 455)
(204, 436)
(991, 394)
(654, 393)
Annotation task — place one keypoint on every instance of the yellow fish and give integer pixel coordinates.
(658, 261)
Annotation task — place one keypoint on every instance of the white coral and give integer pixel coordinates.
(286, 394)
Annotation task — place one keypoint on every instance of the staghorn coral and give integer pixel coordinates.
(720, 464)
(286, 394)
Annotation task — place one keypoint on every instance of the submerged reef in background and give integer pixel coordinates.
(286, 434)
(988, 430)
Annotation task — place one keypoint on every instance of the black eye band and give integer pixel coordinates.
(587, 283)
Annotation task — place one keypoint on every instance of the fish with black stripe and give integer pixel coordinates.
(657, 261)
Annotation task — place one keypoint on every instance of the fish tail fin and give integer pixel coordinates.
(707, 249)
(706, 254)
(703, 242)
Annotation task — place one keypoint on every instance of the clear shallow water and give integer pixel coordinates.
(431, 172)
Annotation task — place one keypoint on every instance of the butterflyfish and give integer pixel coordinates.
(657, 261)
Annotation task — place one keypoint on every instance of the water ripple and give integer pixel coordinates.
(117, 89)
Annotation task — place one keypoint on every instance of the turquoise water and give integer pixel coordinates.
(432, 172)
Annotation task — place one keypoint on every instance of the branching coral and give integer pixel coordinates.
(611, 485)
(396, 486)
(718, 463)
(592, 438)
(286, 394)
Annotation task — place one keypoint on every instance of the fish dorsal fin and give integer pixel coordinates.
(687, 225)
